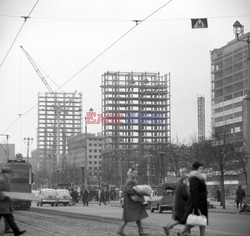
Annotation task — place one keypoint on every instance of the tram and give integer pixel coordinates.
(20, 181)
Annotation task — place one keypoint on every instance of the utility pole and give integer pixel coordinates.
(28, 141)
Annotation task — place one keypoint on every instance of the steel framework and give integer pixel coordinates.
(136, 124)
(201, 118)
(50, 140)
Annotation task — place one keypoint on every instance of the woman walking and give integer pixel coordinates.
(180, 203)
(132, 211)
(198, 196)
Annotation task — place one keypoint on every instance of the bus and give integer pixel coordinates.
(20, 181)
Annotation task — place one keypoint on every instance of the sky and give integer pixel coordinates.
(74, 42)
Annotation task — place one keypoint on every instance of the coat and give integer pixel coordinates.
(5, 202)
(180, 202)
(198, 194)
(85, 195)
(132, 211)
(240, 194)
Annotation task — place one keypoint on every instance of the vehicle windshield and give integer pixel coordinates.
(49, 192)
(63, 192)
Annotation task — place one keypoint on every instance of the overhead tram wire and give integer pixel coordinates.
(95, 58)
(112, 44)
(25, 19)
(115, 20)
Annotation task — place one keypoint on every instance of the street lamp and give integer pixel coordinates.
(238, 29)
(86, 174)
(28, 141)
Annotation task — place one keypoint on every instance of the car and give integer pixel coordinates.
(47, 196)
(63, 197)
(163, 198)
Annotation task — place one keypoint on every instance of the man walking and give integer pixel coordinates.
(5, 203)
(240, 195)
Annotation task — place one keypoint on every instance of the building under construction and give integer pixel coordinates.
(201, 118)
(59, 116)
(136, 125)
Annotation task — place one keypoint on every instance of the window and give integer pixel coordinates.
(90, 156)
(90, 162)
(95, 162)
(95, 156)
(90, 144)
(90, 150)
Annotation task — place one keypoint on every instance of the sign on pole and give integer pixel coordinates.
(199, 23)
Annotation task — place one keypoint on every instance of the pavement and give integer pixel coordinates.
(230, 207)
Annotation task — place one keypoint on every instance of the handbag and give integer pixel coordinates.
(195, 220)
(137, 198)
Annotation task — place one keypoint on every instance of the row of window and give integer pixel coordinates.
(95, 145)
(95, 168)
(228, 117)
(95, 162)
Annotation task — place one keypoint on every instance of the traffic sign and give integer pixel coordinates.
(19, 157)
(199, 23)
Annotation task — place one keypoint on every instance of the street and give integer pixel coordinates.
(219, 223)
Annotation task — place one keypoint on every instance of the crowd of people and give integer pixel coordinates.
(190, 198)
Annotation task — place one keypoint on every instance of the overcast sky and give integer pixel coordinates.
(65, 37)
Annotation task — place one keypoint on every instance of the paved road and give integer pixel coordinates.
(231, 224)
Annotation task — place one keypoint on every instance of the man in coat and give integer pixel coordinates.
(85, 197)
(6, 205)
(240, 195)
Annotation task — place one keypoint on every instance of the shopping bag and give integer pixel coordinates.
(144, 190)
(137, 198)
(195, 220)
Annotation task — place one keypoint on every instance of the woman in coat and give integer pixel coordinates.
(132, 211)
(180, 203)
(198, 196)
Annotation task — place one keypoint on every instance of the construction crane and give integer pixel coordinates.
(57, 107)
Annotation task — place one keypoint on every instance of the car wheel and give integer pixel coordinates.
(52, 204)
(41, 204)
(37, 204)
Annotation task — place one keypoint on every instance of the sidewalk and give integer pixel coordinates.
(230, 207)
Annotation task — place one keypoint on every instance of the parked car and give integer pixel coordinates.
(163, 198)
(63, 197)
(47, 196)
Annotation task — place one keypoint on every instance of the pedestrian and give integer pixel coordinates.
(240, 195)
(85, 197)
(181, 196)
(132, 211)
(102, 198)
(198, 196)
(6, 209)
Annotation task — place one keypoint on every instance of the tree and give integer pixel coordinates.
(223, 158)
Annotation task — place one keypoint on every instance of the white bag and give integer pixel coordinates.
(144, 190)
(195, 220)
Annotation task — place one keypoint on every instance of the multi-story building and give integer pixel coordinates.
(136, 124)
(76, 158)
(229, 87)
(59, 116)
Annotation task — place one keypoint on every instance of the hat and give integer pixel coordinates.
(196, 165)
(6, 170)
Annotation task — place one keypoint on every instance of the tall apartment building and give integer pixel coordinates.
(136, 124)
(229, 87)
(76, 158)
(59, 116)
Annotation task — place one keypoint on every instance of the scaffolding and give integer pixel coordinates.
(136, 123)
(201, 118)
(52, 133)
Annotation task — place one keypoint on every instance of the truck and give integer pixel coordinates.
(163, 197)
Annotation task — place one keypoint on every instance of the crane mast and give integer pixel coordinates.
(57, 107)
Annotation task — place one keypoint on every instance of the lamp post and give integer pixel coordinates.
(238, 29)
(28, 141)
(86, 174)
